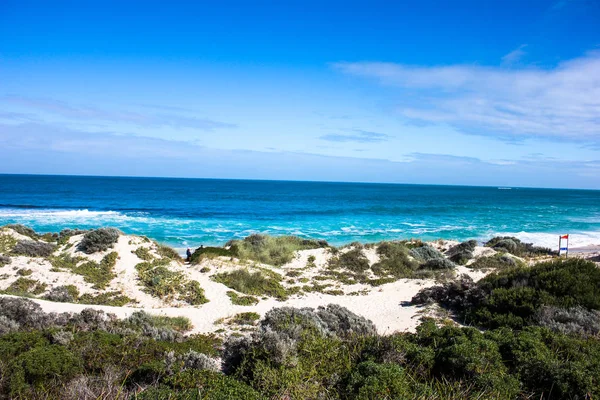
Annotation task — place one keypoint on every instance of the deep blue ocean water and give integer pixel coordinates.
(189, 212)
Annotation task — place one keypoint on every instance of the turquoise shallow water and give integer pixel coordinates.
(189, 212)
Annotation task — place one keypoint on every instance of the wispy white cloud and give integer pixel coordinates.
(92, 113)
(560, 103)
(514, 56)
(357, 136)
(46, 148)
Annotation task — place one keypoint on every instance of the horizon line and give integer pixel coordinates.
(295, 180)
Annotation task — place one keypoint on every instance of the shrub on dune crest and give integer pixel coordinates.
(23, 230)
(253, 283)
(394, 261)
(425, 253)
(33, 249)
(497, 261)
(514, 246)
(202, 253)
(462, 252)
(353, 260)
(272, 250)
(100, 239)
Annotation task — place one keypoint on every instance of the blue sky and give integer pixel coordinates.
(463, 92)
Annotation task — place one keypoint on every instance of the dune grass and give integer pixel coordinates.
(209, 253)
(238, 300)
(160, 281)
(259, 283)
(25, 287)
(272, 250)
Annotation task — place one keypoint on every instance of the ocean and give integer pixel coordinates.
(189, 212)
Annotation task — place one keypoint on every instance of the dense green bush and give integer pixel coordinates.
(327, 353)
(435, 264)
(373, 381)
(25, 286)
(514, 246)
(265, 283)
(31, 248)
(40, 365)
(241, 300)
(394, 261)
(97, 240)
(462, 252)
(425, 253)
(200, 385)
(495, 262)
(273, 250)
(162, 282)
(514, 296)
(202, 253)
(24, 230)
(353, 260)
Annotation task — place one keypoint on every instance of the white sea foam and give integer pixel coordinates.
(29, 213)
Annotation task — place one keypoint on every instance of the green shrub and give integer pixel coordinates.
(24, 230)
(65, 261)
(141, 318)
(200, 385)
(202, 253)
(514, 296)
(373, 381)
(514, 246)
(245, 318)
(496, 262)
(161, 282)
(273, 250)
(256, 284)
(241, 300)
(100, 239)
(143, 253)
(24, 272)
(7, 243)
(353, 260)
(110, 298)
(462, 252)
(394, 261)
(425, 253)
(24, 286)
(40, 365)
(33, 249)
(168, 252)
(63, 294)
(435, 264)
(98, 274)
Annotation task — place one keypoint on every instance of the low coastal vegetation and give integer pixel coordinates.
(306, 353)
(98, 240)
(518, 297)
(272, 250)
(98, 274)
(258, 283)
(161, 281)
(240, 300)
(70, 294)
(515, 247)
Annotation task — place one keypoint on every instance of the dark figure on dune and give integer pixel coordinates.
(188, 253)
